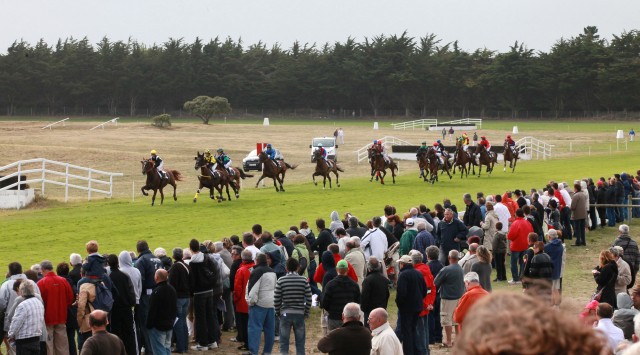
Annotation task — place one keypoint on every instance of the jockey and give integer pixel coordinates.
(209, 159)
(511, 143)
(271, 153)
(374, 145)
(465, 141)
(438, 147)
(422, 149)
(323, 152)
(158, 163)
(383, 151)
(485, 143)
(224, 160)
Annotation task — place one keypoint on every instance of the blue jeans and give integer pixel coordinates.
(422, 340)
(180, 328)
(160, 341)
(261, 319)
(296, 321)
(611, 216)
(516, 259)
(625, 211)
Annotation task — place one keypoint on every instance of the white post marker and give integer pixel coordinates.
(619, 136)
(265, 122)
(515, 130)
(375, 126)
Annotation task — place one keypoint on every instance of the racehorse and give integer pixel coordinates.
(211, 180)
(235, 178)
(155, 182)
(379, 165)
(273, 170)
(511, 157)
(485, 159)
(423, 164)
(323, 169)
(461, 159)
(434, 165)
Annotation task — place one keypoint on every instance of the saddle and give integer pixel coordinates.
(163, 175)
(329, 163)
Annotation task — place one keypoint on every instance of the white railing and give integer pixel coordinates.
(55, 123)
(474, 121)
(388, 141)
(530, 146)
(415, 123)
(101, 125)
(42, 168)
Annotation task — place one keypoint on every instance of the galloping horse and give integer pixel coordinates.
(434, 165)
(511, 157)
(461, 159)
(485, 159)
(273, 170)
(155, 182)
(323, 169)
(423, 164)
(379, 165)
(238, 174)
(211, 180)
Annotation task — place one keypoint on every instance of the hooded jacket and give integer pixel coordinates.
(555, 250)
(198, 279)
(147, 263)
(276, 264)
(126, 266)
(335, 222)
(240, 284)
(261, 287)
(518, 234)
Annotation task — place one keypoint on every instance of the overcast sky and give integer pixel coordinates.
(494, 24)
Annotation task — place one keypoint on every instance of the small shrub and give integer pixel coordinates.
(161, 121)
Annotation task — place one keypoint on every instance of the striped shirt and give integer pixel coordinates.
(27, 321)
(292, 295)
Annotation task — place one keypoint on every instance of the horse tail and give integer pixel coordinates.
(244, 175)
(176, 175)
(291, 166)
(339, 169)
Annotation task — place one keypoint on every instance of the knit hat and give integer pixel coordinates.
(342, 264)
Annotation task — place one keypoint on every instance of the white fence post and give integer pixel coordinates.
(19, 171)
(66, 183)
(43, 176)
(89, 187)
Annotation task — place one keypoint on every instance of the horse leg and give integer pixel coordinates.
(313, 177)
(505, 165)
(260, 179)
(228, 195)
(143, 190)
(514, 166)
(195, 198)
(161, 195)
(175, 198)
(384, 173)
(337, 178)
(153, 198)
(275, 183)
(281, 181)
(324, 182)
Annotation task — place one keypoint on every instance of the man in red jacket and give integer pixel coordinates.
(242, 308)
(335, 250)
(518, 234)
(422, 342)
(474, 293)
(57, 296)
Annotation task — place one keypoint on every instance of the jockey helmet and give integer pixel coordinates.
(153, 152)
(319, 145)
(483, 137)
(464, 134)
(508, 136)
(435, 144)
(375, 142)
(379, 142)
(269, 145)
(438, 141)
(424, 143)
(220, 150)
(208, 152)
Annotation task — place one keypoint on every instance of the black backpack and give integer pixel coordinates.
(104, 298)
(302, 261)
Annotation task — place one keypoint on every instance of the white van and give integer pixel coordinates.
(328, 143)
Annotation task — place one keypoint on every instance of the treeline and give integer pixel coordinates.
(416, 75)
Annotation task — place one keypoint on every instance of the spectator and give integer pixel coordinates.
(537, 228)
(472, 215)
(285, 241)
(72, 323)
(474, 293)
(325, 237)
(630, 248)
(483, 267)
(334, 251)
(384, 340)
(555, 250)
(610, 198)
(356, 258)
(102, 342)
(335, 223)
(256, 233)
(337, 293)
(161, 254)
(450, 282)
(423, 240)
(375, 288)
(409, 235)
(179, 279)
(435, 328)
(396, 227)
(86, 297)
(624, 272)
(503, 213)
(518, 235)
(359, 342)
(126, 266)
(269, 247)
(259, 297)
(123, 303)
(57, 296)
(499, 252)
(343, 238)
(236, 257)
(489, 226)
(203, 279)
(292, 302)
(541, 270)
(76, 265)
(614, 335)
(239, 290)
(27, 322)
(470, 258)
(94, 267)
(300, 251)
(354, 229)
(7, 295)
(422, 329)
(374, 242)
(162, 313)
(451, 232)
(579, 210)
(247, 243)
(147, 264)
(623, 316)
(605, 275)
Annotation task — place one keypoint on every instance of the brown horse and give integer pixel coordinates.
(485, 159)
(379, 165)
(238, 174)
(461, 159)
(155, 182)
(324, 169)
(511, 157)
(423, 164)
(435, 166)
(208, 179)
(273, 170)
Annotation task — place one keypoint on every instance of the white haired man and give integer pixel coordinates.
(26, 324)
(450, 282)
(474, 293)
(359, 337)
(631, 253)
(384, 341)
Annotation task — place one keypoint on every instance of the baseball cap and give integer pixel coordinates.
(406, 259)
(342, 264)
(409, 222)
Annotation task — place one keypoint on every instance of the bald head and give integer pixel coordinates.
(378, 317)
(98, 320)
(161, 275)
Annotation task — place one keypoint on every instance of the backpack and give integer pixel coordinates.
(104, 298)
(302, 261)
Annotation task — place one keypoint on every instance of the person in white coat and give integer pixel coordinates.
(374, 242)
(384, 339)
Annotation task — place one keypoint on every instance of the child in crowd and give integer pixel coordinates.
(94, 267)
(499, 245)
